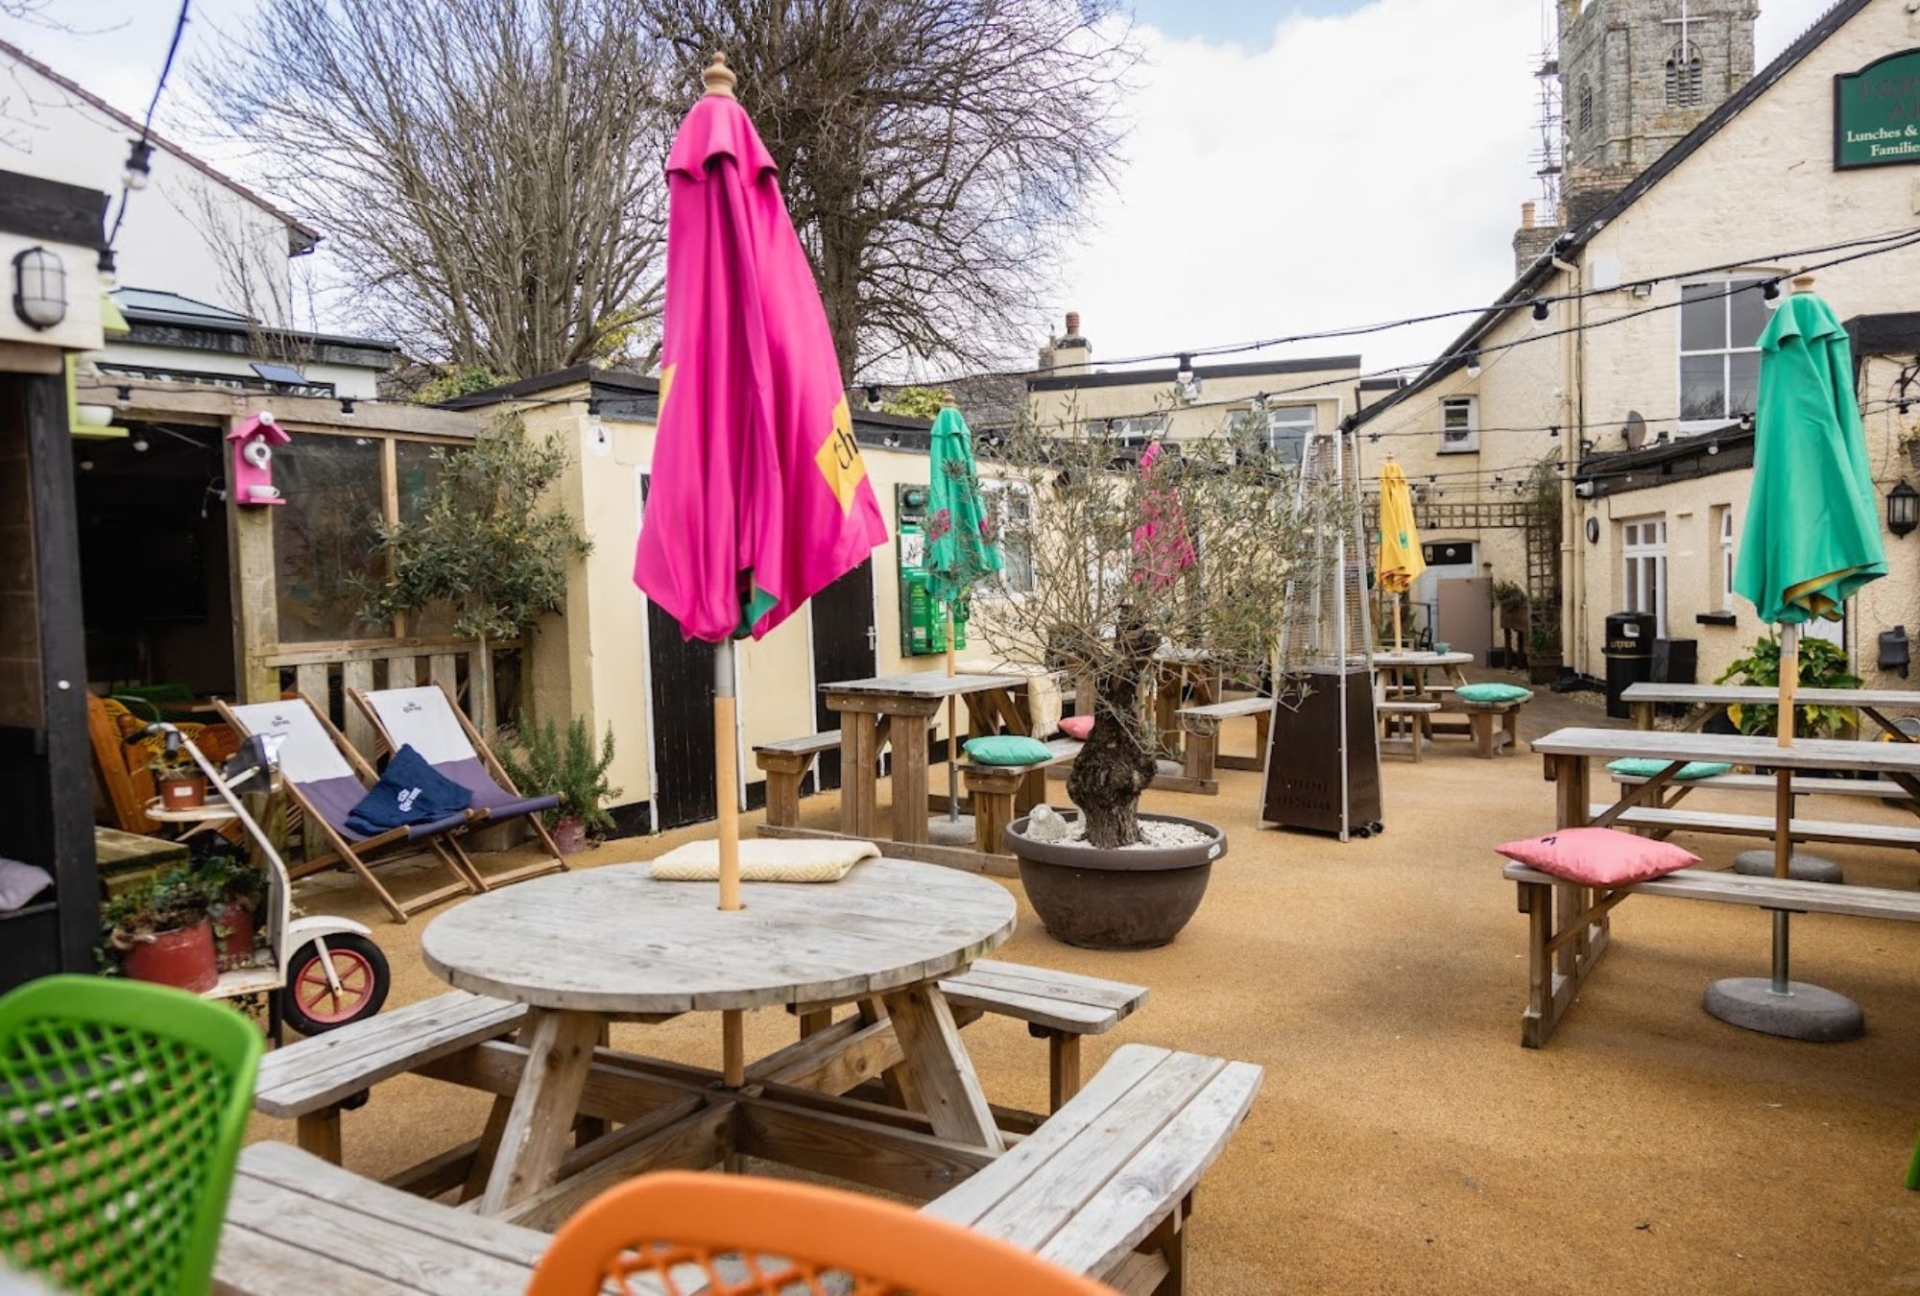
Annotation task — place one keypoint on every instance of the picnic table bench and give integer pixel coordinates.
(311, 1081)
(1001, 793)
(1803, 785)
(786, 763)
(1550, 990)
(1643, 698)
(1103, 1187)
(1202, 756)
(1416, 714)
(1569, 924)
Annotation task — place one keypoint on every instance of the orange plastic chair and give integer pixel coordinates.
(735, 1235)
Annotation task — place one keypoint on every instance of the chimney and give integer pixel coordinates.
(1072, 354)
(1526, 215)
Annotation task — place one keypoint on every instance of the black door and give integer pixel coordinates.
(682, 709)
(844, 642)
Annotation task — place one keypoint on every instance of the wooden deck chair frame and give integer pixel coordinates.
(354, 855)
(555, 863)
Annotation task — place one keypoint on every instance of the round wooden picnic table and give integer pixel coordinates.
(586, 948)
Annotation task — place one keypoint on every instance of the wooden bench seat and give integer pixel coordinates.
(1803, 785)
(1495, 726)
(296, 1223)
(1562, 952)
(999, 794)
(1663, 822)
(1202, 755)
(1105, 1186)
(1417, 725)
(1059, 1007)
(786, 763)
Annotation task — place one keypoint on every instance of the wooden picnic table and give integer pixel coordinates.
(1644, 697)
(1584, 924)
(587, 949)
(1403, 677)
(899, 709)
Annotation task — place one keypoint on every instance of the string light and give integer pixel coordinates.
(140, 157)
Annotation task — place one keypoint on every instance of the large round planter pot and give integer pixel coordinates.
(181, 958)
(1115, 899)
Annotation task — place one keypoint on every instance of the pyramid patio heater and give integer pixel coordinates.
(1323, 753)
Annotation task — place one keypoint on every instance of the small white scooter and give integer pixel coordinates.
(318, 973)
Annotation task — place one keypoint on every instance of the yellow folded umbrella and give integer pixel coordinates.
(1399, 562)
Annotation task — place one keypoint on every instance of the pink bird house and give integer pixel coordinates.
(253, 442)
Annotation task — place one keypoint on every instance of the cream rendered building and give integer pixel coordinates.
(1648, 305)
(1135, 406)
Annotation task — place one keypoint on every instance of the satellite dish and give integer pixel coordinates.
(1635, 431)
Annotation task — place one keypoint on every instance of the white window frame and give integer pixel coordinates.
(1726, 557)
(1142, 430)
(1460, 440)
(1016, 577)
(1724, 285)
(1291, 428)
(1643, 568)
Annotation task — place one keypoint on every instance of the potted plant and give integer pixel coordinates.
(1543, 654)
(1120, 562)
(235, 889)
(541, 759)
(161, 931)
(1822, 665)
(178, 781)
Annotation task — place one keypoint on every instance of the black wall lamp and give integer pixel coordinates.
(1903, 509)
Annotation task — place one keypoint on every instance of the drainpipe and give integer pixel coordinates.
(1573, 407)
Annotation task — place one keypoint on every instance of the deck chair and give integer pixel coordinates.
(326, 778)
(427, 719)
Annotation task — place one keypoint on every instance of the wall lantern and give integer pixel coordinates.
(1903, 509)
(39, 288)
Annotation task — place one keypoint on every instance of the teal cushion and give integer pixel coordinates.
(1492, 694)
(1648, 766)
(1007, 749)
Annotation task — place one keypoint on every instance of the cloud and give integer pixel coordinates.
(1361, 168)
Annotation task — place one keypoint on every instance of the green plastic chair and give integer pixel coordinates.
(122, 1106)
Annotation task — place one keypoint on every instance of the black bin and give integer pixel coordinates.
(1675, 661)
(1629, 654)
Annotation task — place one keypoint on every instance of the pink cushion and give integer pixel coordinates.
(1076, 726)
(1599, 856)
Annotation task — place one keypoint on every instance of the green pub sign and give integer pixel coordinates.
(1876, 113)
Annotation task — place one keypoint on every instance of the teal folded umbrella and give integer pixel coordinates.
(1812, 535)
(960, 548)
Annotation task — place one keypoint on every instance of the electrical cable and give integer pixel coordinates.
(146, 124)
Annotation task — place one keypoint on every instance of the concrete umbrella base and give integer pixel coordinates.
(942, 831)
(1805, 1012)
(1801, 867)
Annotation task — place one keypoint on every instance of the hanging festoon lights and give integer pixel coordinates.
(139, 166)
(39, 288)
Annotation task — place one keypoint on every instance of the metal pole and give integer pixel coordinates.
(725, 772)
(1781, 980)
(953, 733)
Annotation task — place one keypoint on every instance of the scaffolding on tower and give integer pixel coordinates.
(1323, 751)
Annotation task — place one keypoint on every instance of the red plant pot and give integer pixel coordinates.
(183, 793)
(570, 835)
(234, 950)
(181, 958)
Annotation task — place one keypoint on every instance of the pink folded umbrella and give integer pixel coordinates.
(760, 498)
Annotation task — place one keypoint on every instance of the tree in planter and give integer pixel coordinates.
(1194, 554)
(1822, 665)
(540, 759)
(484, 543)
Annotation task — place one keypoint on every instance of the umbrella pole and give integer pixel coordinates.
(1397, 644)
(1789, 680)
(953, 732)
(727, 805)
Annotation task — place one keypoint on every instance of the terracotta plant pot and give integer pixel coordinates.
(182, 958)
(570, 835)
(182, 793)
(1115, 899)
(235, 949)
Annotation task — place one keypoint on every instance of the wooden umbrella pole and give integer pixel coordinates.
(1789, 680)
(1398, 645)
(953, 732)
(725, 770)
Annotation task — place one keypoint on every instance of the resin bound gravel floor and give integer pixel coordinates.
(1404, 1141)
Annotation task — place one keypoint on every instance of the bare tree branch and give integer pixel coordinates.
(935, 154)
(489, 170)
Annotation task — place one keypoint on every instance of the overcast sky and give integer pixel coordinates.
(1294, 164)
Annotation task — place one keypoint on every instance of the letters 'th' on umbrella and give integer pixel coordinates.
(760, 497)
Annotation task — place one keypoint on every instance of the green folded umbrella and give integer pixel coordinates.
(960, 547)
(1812, 533)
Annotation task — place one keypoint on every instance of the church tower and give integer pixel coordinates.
(1636, 75)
